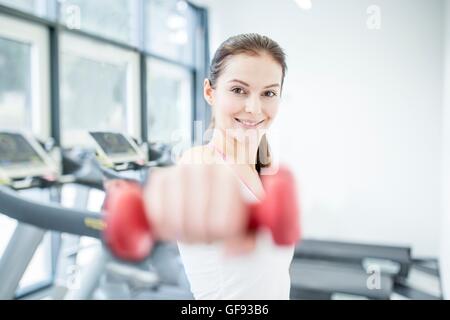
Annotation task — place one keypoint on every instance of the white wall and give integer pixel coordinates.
(445, 247)
(361, 116)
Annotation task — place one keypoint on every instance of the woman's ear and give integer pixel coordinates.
(208, 92)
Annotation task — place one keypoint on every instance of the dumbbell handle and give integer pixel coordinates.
(128, 231)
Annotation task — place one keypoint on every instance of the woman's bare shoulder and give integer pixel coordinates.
(197, 155)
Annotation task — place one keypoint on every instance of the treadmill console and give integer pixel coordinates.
(116, 149)
(21, 157)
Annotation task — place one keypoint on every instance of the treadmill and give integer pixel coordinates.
(341, 270)
(23, 165)
(326, 280)
(392, 260)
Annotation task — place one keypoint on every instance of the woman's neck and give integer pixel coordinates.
(236, 152)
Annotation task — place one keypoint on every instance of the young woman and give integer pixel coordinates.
(201, 201)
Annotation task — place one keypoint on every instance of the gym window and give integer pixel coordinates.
(170, 26)
(24, 93)
(99, 89)
(170, 103)
(114, 19)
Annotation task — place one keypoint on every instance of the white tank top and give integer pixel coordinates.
(262, 274)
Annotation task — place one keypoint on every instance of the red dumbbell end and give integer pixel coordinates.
(128, 232)
(280, 209)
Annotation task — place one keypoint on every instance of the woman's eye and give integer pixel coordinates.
(270, 94)
(238, 90)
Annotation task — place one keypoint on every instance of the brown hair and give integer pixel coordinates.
(251, 44)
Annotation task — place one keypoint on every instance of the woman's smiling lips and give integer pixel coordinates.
(249, 124)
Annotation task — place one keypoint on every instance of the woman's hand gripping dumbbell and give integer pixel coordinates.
(193, 204)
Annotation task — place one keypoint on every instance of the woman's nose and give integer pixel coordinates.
(253, 104)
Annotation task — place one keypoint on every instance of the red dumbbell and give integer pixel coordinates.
(128, 232)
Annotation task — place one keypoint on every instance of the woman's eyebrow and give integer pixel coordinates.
(247, 85)
(240, 81)
(272, 85)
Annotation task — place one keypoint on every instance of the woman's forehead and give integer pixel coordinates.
(255, 70)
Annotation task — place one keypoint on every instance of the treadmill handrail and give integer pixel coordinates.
(49, 216)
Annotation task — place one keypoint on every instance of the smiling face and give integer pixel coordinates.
(247, 94)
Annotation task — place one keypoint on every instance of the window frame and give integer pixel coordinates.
(199, 69)
(133, 38)
(89, 49)
(38, 38)
(191, 29)
(173, 69)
